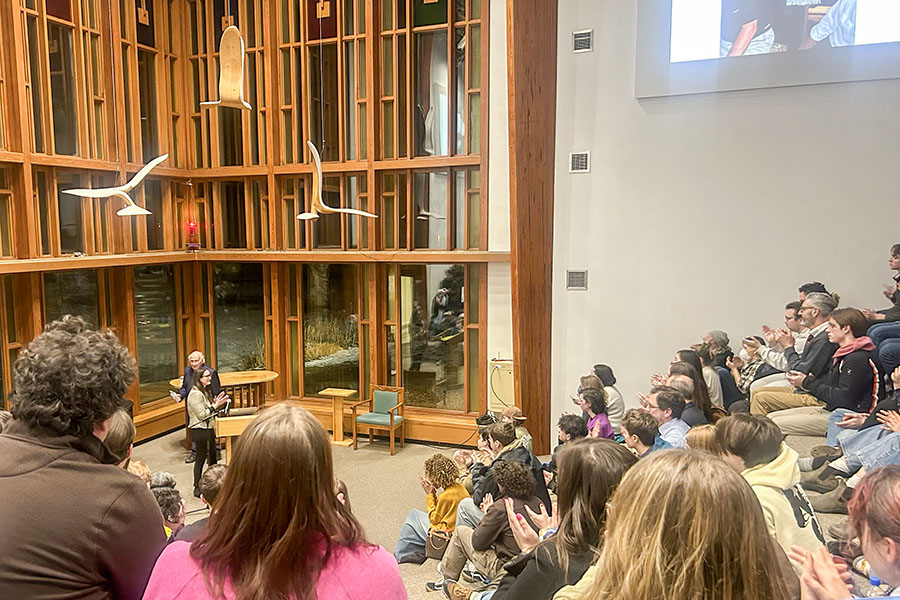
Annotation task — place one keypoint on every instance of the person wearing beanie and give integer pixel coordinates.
(513, 414)
(718, 344)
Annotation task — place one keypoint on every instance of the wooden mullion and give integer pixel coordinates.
(25, 221)
(305, 108)
(484, 120)
(343, 93)
(44, 83)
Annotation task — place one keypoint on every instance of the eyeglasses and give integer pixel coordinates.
(646, 404)
(806, 308)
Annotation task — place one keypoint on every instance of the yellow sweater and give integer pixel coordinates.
(442, 509)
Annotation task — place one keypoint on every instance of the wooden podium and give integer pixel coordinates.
(231, 427)
(338, 395)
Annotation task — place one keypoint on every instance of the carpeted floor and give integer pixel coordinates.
(382, 489)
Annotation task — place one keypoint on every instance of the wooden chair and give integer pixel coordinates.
(385, 412)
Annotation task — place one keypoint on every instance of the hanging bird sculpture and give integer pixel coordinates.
(317, 205)
(122, 191)
(231, 71)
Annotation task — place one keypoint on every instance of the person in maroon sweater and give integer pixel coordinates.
(77, 526)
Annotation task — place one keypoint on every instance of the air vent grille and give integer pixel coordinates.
(576, 279)
(583, 41)
(580, 162)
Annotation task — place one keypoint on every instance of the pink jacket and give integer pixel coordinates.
(369, 573)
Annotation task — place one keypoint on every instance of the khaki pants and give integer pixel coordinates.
(769, 399)
(460, 550)
(805, 420)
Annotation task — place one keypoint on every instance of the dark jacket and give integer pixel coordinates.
(538, 575)
(692, 415)
(852, 382)
(892, 313)
(74, 525)
(892, 402)
(816, 357)
(187, 381)
(493, 530)
(191, 532)
(483, 476)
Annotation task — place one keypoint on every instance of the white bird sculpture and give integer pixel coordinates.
(231, 71)
(424, 215)
(121, 191)
(317, 205)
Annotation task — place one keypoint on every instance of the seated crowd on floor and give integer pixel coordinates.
(693, 495)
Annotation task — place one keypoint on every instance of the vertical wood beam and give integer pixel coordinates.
(531, 58)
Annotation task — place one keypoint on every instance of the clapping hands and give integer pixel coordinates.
(823, 578)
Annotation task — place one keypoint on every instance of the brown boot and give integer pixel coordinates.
(455, 591)
(813, 480)
(841, 531)
(829, 451)
(835, 501)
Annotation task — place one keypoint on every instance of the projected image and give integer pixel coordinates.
(708, 29)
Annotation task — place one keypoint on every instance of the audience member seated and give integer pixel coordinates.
(503, 446)
(837, 478)
(590, 470)
(171, 505)
(440, 473)
(710, 361)
(120, 438)
(568, 429)
(210, 483)
(270, 540)
(466, 459)
(641, 433)
(873, 519)
(849, 431)
(141, 470)
(593, 403)
(772, 353)
(83, 527)
(813, 287)
(743, 367)
(513, 414)
(492, 543)
(718, 347)
(852, 381)
(885, 328)
(683, 377)
(615, 403)
(703, 438)
(753, 445)
(701, 358)
(671, 536)
(815, 359)
(665, 404)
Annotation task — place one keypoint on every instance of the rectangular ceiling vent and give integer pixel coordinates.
(576, 279)
(582, 41)
(579, 162)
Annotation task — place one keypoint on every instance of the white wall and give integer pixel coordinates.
(499, 327)
(705, 212)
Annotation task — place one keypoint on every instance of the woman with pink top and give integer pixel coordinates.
(277, 530)
(593, 403)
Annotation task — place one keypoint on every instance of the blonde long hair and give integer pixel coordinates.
(683, 525)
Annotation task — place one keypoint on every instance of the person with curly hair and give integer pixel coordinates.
(492, 542)
(83, 528)
(171, 504)
(440, 473)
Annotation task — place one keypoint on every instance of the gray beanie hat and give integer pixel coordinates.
(719, 337)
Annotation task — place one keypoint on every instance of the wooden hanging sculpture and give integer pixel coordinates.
(317, 205)
(121, 191)
(231, 71)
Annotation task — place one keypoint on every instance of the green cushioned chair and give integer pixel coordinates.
(385, 412)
